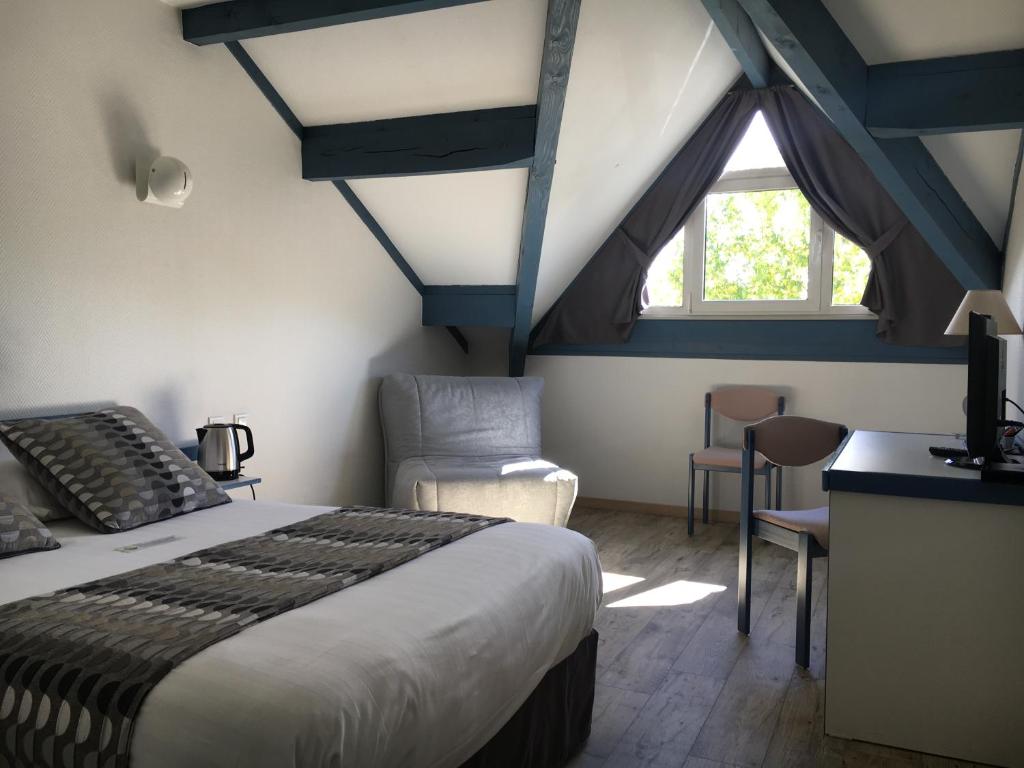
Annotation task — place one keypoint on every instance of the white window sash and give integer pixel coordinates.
(820, 262)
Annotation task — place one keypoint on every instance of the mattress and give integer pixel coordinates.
(419, 666)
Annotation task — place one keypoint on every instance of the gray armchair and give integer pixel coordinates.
(470, 445)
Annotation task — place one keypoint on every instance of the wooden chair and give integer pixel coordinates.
(790, 441)
(743, 404)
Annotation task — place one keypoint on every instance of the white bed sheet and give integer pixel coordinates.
(419, 666)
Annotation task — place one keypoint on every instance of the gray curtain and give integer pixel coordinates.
(909, 287)
(602, 304)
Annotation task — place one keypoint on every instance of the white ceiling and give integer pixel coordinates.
(899, 30)
(643, 76)
(467, 57)
(980, 166)
(454, 228)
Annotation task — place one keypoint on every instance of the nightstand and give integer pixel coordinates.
(242, 481)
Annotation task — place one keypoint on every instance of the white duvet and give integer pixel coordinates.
(419, 666)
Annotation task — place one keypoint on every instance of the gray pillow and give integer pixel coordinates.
(18, 485)
(21, 531)
(112, 469)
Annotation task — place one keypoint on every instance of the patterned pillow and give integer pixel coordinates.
(112, 469)
(21, 531)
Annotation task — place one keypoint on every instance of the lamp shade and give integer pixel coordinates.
(989, 303)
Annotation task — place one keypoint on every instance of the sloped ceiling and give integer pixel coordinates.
(902, 30)
(467, 57)
(643, 77)
(980, 165)
(456, 228)
(644, 74)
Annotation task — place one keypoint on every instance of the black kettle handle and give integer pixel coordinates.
(248, 442)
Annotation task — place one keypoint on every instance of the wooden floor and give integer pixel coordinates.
(678, 686)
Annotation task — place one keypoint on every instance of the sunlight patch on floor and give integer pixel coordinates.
(677, 593)
(613, 581)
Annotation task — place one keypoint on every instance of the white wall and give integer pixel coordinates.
(1013, 288)
(627, 425)
(265, 294)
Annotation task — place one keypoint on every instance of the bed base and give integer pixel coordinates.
(554, 723)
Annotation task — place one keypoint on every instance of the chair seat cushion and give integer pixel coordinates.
(727, 458)
(812, 521)
(525, 488)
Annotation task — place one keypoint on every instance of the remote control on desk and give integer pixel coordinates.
(947, 453)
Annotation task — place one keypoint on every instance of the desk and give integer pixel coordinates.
(925, 638)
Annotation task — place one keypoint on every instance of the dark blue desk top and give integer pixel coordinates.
(898, 464)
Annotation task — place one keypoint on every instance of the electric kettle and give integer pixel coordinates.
(219, 451)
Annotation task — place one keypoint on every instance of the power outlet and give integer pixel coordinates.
(216, 419)
(241, 418)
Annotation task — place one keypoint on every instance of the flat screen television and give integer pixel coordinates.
(986, 390)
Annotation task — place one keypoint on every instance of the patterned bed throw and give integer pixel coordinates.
(76, 665)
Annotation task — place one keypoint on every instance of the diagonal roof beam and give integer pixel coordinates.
(741, 36)
(241, 19)
(829, 66)
(559, 40)
(477, 140)
(980, 92)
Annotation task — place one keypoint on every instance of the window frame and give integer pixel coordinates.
(820, 263)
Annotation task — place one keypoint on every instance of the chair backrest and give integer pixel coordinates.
(741, 403)
(793, 441)
(458, 416)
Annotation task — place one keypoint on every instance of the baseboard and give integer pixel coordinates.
(647, 508)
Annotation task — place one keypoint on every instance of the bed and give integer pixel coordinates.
(444, 661)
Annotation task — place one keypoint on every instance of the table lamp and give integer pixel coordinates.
(991, 303)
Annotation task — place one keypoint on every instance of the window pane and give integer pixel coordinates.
(665, 277)
(757, 246)
(756, 149)
(850, 269)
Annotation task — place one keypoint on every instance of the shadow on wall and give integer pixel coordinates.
(127, 140)
(362, 451)
(63, 409)
(163, 408)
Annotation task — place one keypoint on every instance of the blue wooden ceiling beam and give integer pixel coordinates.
(829, 66)
(241, 19)
(491, 306)
(559, 40)
(477, 140)
(741, 36)
(762, 339)
(980, 92)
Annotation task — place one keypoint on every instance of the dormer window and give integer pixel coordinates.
(754, 246)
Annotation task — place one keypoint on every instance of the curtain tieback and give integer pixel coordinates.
(887, 237)
(638, 253)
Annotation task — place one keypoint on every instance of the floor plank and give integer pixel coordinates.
(614, 711)
(740, 727)
(665, 729)
(797, 738)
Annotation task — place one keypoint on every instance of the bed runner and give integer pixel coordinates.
(76, 665)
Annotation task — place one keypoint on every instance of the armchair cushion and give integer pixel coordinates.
(525, 488)
(441, 416)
